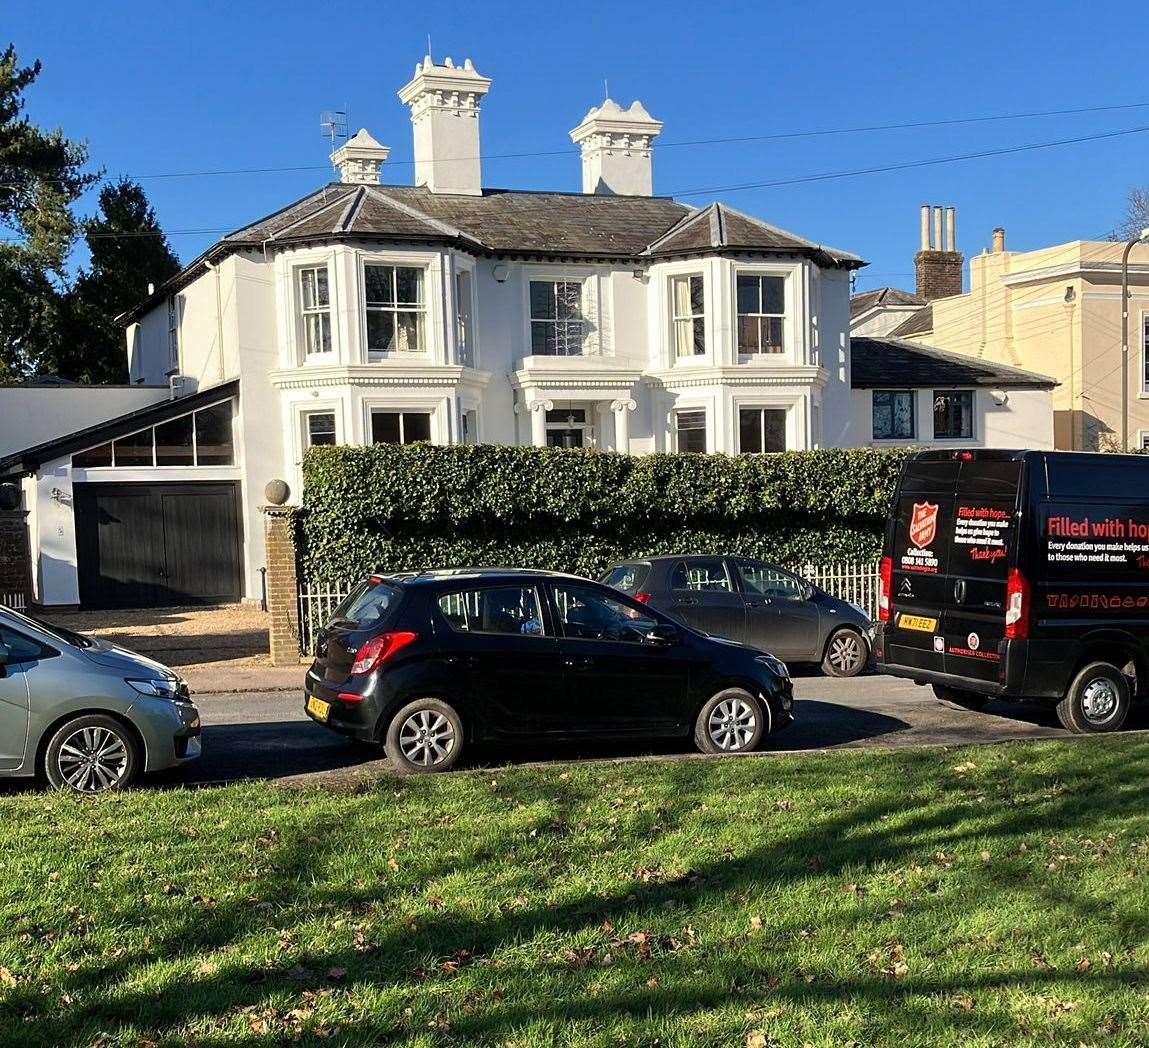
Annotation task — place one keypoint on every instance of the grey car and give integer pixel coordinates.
(86, 714)
(754, 603)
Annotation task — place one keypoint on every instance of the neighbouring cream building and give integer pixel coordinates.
(1055, 311)
(447, 311)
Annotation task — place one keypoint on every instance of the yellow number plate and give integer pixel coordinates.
(318, 708)
(917, 622)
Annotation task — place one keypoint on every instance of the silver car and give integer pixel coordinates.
(86, 714)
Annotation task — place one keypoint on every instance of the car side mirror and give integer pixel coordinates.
(809, 591)
(663, 635)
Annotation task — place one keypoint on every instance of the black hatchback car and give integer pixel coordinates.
(754, 603)
(430, 662)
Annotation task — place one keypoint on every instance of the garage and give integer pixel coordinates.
(150, 545)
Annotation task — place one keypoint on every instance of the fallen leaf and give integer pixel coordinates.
(963, 1002)
(756, 923)
(7, 978)
(1082, 966)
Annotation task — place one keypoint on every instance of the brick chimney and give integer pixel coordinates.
(938, 263)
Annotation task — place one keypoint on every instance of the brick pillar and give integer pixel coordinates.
(282, 585)
(15, 556)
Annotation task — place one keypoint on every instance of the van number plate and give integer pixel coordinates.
(921, 623)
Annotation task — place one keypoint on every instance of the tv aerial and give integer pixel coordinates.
(333, 125)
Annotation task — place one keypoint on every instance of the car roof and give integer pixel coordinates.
(435, 576)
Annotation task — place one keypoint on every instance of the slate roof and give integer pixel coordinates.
(892, 363)
(511, 223)
(919, 323)
(717, 227)
(882, 296)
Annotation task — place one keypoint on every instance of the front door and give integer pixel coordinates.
(496, 635)
(14, 699)
(779, 618)
(619, 684)
(703, 595)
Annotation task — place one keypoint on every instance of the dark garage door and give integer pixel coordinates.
(150, 545)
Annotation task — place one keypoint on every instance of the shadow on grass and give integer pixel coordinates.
(886, 829)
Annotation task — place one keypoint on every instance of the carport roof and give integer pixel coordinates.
(29, 460)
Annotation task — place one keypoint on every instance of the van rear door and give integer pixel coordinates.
(982, 539)
(919, 550)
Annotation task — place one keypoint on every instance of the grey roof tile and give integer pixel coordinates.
(895, 364)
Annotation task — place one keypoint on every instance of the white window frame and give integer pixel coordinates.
(913, 395)
(589, 425)
(466, 336)
(400, 410)
(1145, 352)
(759, 406)
(305, 431)
(972, 414)
(579, 280)
(682, 409)
(174, 311)
(690, 318)
(303, 312)
(786, 316)
(423, 311)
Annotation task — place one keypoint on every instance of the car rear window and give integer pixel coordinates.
(627, 577)
(371, 603)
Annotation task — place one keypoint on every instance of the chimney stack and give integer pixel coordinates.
(938, 263)
(616, 149)
(998, 240)
(444, 102)
(360, 159)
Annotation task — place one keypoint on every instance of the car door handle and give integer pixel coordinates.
(757, 603)
(580, 663)
(683, 601)
(959, 591)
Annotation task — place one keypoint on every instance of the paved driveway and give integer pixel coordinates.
(266, 735)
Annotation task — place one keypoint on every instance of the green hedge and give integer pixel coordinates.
(395, 508)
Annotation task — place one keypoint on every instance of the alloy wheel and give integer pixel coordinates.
(845, 652)
(93, 759)
(426, 738)
(731, 724)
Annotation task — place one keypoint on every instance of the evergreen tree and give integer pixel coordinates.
(127, 252)
(40, 178)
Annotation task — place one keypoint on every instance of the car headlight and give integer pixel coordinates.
(776, 666)
(158, 688)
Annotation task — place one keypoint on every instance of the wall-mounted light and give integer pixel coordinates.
(502, 272)
(1000, 397)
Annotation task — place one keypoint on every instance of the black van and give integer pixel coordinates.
(1021, 575)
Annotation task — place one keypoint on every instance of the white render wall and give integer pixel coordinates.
(31, 415)
(1025, 420)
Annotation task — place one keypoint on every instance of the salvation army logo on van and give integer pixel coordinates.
(923, 524)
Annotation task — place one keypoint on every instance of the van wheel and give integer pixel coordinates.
(1097, 700)
(425, 736)
(965, 700)
(92, 754)
(846, 654)
(733, 721)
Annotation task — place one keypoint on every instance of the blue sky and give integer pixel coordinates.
(159, 89)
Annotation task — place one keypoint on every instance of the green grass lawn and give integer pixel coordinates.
(980, 896)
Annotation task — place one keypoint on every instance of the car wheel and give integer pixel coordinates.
(92, 754)
(733, 721)
(965, 700)
(846, 654)
(1097, 700)
(425, 736)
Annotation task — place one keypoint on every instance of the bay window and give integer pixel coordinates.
(688, 310)
(400, 427)
(314, 310)
(395, 308)
(690, 431)
(893, 414)
(761, 313)
(761, 429)
(557, 324)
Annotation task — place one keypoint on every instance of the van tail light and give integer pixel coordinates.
(1016, 606)
(886, 579)
(378, 650)
(642, 598)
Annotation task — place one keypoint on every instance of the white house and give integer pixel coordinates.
(444, 311)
